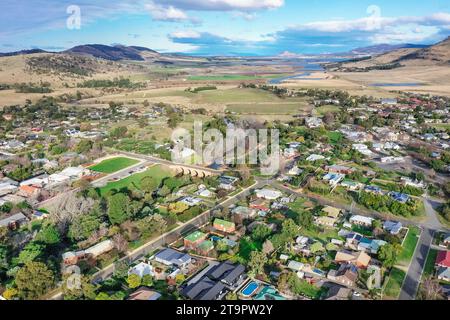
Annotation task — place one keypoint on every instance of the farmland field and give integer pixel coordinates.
(113, 165)
(233, 77)
(158, 173)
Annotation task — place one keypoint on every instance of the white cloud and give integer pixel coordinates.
(185, 34)
(166, 13)
(223, 5)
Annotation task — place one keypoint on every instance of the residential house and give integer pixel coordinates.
(14, 221)
(193, 240)
(268, 194)
(8, 186)
(227, 273)
(393, 227)
(399, 197)
(315, 157)
(295, 266)
(331, 218)
(359, 259)
(351, 185)
(205, 247)
(142, 269)
(333, 178)
(443, 259)
(224, 226)
(336, 292)
(361, 220)
(443, 274)
(339, 169)
(313, 122)
(72, 258)
(144, 294)
(205, 289)
(171, 257)
(347, 274)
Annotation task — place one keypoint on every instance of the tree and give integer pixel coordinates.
(261, 232)
(120, 243)
(257, 262)
(305, 219)
(34, 280)
(149, 184)
(317, 247)
(83, 226)
(31, 252)
(3, 257)
(118, 208)
(388, 254)
(430, 289)
(49, 235)
(134, 281)
(4, 231)
(85, 291)
(147, 280)
(231, 296)
(290, 229)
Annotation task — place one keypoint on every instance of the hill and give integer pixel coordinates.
(112, 53)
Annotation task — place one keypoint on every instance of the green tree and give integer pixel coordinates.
(134, 281)
(31, 252)
(147, 280)
(49, 235)
(305, 219)
(118, 208)
(388, 254)
(261, 232)
(257, 262)
(290, 229)
(85, 291)
(34, 280)
(149, 184)
(83, 226)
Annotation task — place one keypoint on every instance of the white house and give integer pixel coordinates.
(268, 194)
(361, 220)
(142, 269)
(315, 157)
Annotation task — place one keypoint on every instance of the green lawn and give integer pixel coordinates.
(430, 262)
(113, 165)
(157, 172)
(395, 282)
(325, 109)
(409, 246)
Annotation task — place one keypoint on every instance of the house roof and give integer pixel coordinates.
(226, 271)
(145, 294)
(443, 259)
(173, 256)
(205, 289)
(223, 223)
(195, 236)
(332, 212)
(12, 219)
(206, 245)
(443, 273)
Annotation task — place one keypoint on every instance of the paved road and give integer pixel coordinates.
(415, 271)
(170, 236)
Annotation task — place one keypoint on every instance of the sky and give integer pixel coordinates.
(222, 27)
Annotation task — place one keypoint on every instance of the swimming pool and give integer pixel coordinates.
(250, 289)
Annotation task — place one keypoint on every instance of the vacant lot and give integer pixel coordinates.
(430, 262)
(113, 165)
(409, 246)
(266, 108)
(159, 173)
(394, 284)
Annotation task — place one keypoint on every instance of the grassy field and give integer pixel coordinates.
(113, 165)
(395, 282)
(428, 270)
(233, 77)
(320, 111)
(157, 172)
(266, 108)
(409, 246)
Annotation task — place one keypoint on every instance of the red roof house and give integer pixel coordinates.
(443, 259)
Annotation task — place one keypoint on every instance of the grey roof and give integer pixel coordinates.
(226, 272)
(14, 218)
(173, 256)
(205, 289)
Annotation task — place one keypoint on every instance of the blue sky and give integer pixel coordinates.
(223, 27)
